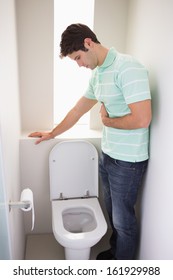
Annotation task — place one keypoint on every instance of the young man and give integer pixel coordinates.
(120, 83)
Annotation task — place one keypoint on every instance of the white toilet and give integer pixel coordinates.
(77, 219)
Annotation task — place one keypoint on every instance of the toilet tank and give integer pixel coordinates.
(73, 170)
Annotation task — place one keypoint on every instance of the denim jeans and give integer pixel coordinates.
(121, 182)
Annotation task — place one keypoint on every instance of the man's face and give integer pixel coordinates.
(86, 59)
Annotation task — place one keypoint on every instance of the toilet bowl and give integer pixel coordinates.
(77, 219)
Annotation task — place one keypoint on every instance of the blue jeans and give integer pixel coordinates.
(121, 182)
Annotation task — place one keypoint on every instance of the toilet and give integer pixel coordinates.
(77, 219)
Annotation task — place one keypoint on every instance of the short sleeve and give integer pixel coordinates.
(134, 82)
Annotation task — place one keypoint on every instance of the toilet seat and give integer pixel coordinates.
(73, 168)
(76, 240)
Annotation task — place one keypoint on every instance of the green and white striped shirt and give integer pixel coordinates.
(119, 81)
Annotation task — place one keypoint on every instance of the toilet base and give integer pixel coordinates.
(77, 254)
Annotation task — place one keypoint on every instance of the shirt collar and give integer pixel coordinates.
(111, 55)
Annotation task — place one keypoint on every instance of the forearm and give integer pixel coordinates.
(81, 107)
(140, 116)
(125, 122)
(69, 121)
(71, 118)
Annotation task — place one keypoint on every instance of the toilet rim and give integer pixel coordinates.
(58, 207)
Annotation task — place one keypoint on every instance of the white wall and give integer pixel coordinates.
(10, 121)
(110, 22)
(35, 49)
(150, 39)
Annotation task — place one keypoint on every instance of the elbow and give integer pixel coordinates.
(145, 122)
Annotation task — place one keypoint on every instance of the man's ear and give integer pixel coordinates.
(88, 43)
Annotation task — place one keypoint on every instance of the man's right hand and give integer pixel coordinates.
(43, 136)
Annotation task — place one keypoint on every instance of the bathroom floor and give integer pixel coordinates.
(45, 247)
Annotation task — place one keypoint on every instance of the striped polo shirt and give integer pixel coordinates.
(119, 81)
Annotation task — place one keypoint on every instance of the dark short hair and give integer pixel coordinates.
(72, 39)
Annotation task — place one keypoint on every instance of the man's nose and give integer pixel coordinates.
(80, 64)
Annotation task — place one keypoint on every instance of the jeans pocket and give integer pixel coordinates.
(125, 164)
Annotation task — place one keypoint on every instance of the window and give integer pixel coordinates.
(70, 81)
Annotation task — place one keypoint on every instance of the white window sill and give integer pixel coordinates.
(76, 132)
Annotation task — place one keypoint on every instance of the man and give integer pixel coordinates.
(120, 84)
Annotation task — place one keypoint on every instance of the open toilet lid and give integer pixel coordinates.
(73, 167)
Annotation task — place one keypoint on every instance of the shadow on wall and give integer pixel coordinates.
(155, 116)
